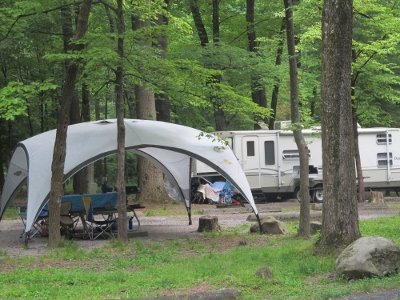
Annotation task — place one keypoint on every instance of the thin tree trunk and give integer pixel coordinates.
(339, 214)
(57, 167)
(360, 177)
(198, 22)
(162, 100)
(219, 115)
(257, 89)
(80, 179)
(304, 222)
(119, 80)
(275, 91)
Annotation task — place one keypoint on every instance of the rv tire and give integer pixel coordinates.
(296, 193)
(318, 195)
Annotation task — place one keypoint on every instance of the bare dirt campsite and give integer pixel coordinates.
(168, 222)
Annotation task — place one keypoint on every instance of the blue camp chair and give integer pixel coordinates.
(102, 227)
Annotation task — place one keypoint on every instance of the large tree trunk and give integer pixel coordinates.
(57, 167)
(257, 89)
(275, 90)
(119, 80)
(339, 214)
(151, 182)
(304, 223)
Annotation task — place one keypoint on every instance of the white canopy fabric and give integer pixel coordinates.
(169, 146)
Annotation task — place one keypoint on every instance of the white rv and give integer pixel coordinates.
(270, 160)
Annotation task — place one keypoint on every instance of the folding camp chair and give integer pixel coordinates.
(87, 225)
(102, 227)
(67, 222)
(37, 227)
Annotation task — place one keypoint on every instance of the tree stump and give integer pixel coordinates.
(208, 223)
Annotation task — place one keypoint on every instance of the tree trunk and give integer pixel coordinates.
(275, 91)
(304, 222)
(360, 177)
(162, 100)
(57, 167)
(215, 21)
(198, 22)
(151, 182)
(257, 89)
(339, 214)
(119, 81)
(219, 115)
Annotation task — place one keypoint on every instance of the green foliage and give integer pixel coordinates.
(14, 97)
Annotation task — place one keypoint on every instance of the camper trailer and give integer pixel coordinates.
(270, 160)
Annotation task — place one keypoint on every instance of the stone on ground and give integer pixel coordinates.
(369, 256)
(269, 225)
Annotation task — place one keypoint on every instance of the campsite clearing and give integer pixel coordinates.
(170, 221)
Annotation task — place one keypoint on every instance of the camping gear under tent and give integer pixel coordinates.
(170, 146)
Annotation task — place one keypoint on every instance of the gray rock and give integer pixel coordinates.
(270, 225)
(264, 273)
(369, 256)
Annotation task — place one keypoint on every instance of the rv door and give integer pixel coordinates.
(251, 160)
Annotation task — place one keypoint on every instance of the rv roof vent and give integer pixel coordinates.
(281, 125)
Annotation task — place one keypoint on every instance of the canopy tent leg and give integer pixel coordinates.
(259, 224)
(189, 211)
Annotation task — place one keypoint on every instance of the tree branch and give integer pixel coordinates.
(36, 13)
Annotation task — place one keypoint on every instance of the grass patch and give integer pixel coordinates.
(11, 213)
(144, 268)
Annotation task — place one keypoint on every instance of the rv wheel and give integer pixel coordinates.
(297, 194)
(318, 195)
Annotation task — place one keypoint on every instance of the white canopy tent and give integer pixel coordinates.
(170, 146)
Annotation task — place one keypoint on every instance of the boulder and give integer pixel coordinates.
(270, 225)
(368, 256)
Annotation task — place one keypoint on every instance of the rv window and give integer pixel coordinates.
(269, 148)
(230, 142)
(382, 159)
(290, 154)
(381, 138)
(250, 148)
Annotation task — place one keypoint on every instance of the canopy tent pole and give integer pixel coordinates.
(259, 223)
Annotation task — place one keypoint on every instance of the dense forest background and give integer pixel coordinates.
(212, 65)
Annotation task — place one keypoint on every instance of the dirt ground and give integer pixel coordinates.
(176, 226)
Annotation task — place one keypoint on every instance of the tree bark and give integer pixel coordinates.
(119, 80)
(360, 177)
(151, 182)
(198, 22)
(304, 222)
(57, 167)
(162, 100)
(339, 214)
(257, 89)
(275, 91)
(219, 115)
